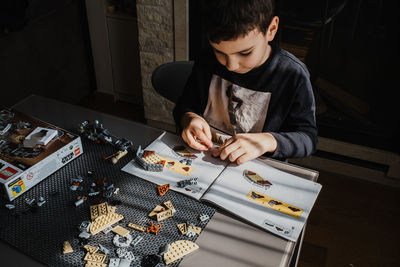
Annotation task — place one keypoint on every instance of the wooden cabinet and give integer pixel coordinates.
(115, 50)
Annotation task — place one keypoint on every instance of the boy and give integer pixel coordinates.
(246, 87)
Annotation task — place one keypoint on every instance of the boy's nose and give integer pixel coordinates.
(232, 64)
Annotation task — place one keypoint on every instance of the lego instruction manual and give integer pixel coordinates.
(274, 200)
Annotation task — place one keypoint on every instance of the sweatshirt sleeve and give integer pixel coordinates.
(298, 135)
(195, 94)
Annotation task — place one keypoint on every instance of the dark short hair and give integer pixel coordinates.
(229, 19)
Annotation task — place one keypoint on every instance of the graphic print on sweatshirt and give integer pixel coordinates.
(234, 109)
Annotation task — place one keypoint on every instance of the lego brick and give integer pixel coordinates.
(67, 248)
(95, 257)
(162, 189)
(122, 242)
(156, 210)
(137, 227)
(195, 229)
(91, 249)
(164, 215)
(275, 204)
(95, 264)
(179, 249)
(169, 205)
(104, 221)
(120, 230)
(182, 228)
(98, 210)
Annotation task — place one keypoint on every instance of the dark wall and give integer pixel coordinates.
(44, 50)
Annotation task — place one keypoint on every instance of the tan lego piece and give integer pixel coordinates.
(67, 248)
(179, 249)
(137, 227)
(178, 167)
(120, 230)
(151, 157)
(104, 221)
(164, 215)
(169, 205)
(95, 264)
(156, 210)
(95, 257)
(98, 210)
(91, 249)
(195, 229)
(182, 228)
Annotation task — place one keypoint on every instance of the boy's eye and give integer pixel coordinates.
(245, 54)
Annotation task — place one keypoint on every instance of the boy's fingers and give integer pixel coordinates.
(204, 140)
(192, 142)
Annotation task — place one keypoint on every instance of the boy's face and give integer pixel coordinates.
(246, 52)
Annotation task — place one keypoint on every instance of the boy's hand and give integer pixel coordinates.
(196, 131)
(245, 147)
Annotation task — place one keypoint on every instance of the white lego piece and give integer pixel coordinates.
(40, 136)
(121, 252)
(114, 262)
(85, 234)
(78, 202)
(125, 263)
(122, 243)
(190, 233)
(204, 217)
(137, 240)
(104, 249)
(129, 256)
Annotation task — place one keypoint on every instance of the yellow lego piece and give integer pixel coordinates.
(177, 167)
(275, 204)
(156, 210)
(95, 257)
(137, 227)
(95, 264)
(104, 221)
(169, 205)
(98, 210)
(91, 249)
(179, 249)
(67, 248)
(164, 215)
(182, 228)
(195, 229)
(120, 230)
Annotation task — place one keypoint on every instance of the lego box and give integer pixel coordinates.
(31, 150)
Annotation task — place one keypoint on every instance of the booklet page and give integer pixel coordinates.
(272, 199)
(201, 168)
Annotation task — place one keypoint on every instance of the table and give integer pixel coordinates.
(226, 240)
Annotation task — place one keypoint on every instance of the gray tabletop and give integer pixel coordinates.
(226, 241)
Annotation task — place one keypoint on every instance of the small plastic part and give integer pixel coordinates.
(124, 243)
(162, 189)
(153, 228)
(67, 248)
(120, 230)
(179, 249)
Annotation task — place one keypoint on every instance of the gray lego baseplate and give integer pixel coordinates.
(40, 231)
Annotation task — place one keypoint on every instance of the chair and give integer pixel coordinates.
(169, 79)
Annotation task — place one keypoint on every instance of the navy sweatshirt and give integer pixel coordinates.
(275, 97)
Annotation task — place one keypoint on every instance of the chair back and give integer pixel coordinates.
(169, 79)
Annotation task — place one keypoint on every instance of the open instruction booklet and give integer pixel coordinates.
(256, 192)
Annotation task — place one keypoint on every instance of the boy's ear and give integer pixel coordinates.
(272, 29)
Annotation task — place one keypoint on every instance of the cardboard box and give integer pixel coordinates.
(25, 164)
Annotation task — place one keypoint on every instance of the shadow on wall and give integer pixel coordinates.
(44, 50)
